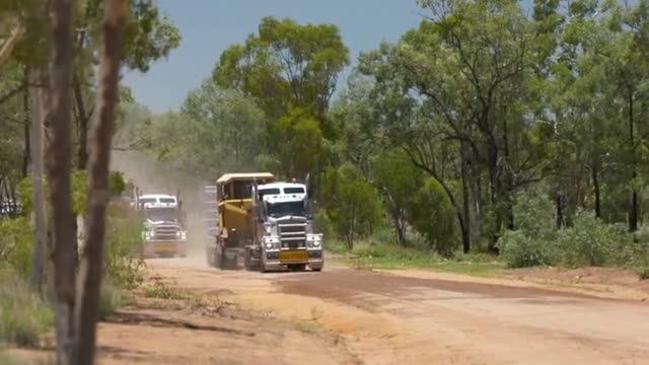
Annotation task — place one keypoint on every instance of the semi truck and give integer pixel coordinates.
(163, 230)
(264, 224)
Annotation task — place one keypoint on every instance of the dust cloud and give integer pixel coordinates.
(153, 176)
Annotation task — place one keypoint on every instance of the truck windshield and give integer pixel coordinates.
(283, 209)
(162, 214)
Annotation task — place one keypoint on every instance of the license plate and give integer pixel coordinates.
(293, 257)
(166, 248)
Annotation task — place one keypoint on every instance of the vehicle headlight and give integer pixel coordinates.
(271, 242)
(314, 240)
(271, 229)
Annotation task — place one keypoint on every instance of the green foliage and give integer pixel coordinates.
(352, 204)
(116, 183)
(285, 66)
(591, 242)
(520, 250)
(433, 216)
(110, 299)
(532, 244)
(397, 178)
(16, 245)
(371, 255)
(535, 214)
(148, 36)
(303, 145)
(123, 261)
(24, 316)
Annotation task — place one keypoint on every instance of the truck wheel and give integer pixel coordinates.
(317, 270)
(219, 260)
(247, 260)
(209, 257)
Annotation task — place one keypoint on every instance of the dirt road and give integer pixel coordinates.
(345, 316)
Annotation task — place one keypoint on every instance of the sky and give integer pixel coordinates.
(208, 27)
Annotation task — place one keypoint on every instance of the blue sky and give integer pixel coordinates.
(209, 26)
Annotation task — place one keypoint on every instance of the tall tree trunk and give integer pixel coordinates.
(509, 180)
(494, 190)
(90, 272)
(57, 120)
(559, 205)
(595, 176)
(27, 122)
(466, 205)
(40, 233)
(633, 209)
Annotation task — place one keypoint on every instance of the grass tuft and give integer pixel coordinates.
(24, 315)
(160, 290)
(390, 256)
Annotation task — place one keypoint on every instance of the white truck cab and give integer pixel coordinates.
(286, 234)
(163, 232)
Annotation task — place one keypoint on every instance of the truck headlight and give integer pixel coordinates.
(314, 240)
(271, 242)
(182, 235)
(271, 229)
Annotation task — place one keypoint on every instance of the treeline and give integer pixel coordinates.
(483, 106)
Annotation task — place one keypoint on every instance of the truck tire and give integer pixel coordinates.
(209, 256)
(247, 260)
(218, 258)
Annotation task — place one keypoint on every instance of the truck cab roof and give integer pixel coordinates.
(282, 192)
(158, 201)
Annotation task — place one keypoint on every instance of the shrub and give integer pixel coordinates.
(24, 316)
(519, 250)
(352, 204)
(123, 261)
(432, 215)
(110, 299)
(591, 242)
(16, 244)
(535, 214)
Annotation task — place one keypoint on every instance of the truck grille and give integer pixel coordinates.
(293, 234)
(165, 232)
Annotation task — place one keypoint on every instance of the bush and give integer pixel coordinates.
(352, 204)
(534, 214)
(123, 261)
(110, 299)
(24, 316)
(591, 242)
(16, 244)
(519, 250)
(432, 215)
